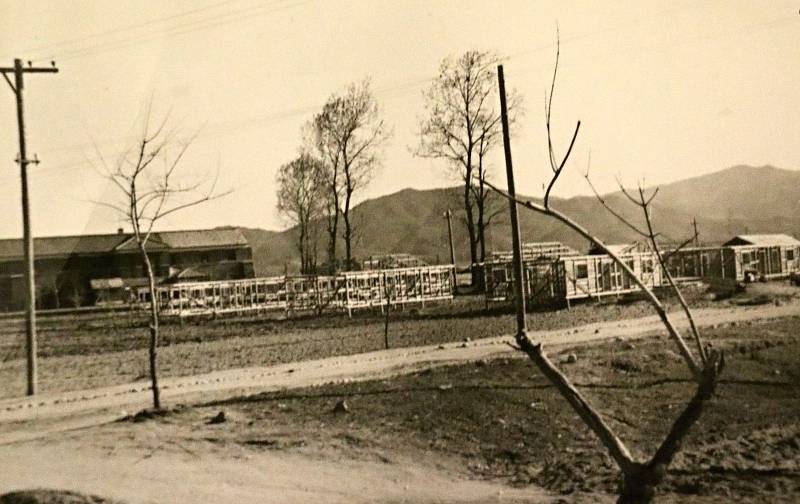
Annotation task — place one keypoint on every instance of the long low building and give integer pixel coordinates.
(84, 270)
(743, 258)
(559, 277)
(344, 291)
(560, 280)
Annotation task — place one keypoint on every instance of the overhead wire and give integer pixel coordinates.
(397, 89)
(120, 29)
(249, 13)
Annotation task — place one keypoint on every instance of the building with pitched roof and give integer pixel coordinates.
(87, 269)
(742, 258)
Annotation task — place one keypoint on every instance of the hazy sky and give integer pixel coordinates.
(664, 90)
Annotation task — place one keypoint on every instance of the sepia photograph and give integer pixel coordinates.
(399, 251)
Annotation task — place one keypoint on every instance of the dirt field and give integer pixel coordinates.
(491, 430)
(487, 431)
(106, 349)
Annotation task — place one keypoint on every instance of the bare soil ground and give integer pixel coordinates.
(486, 431)
(492, 430)
(93, 350)
(504, 421)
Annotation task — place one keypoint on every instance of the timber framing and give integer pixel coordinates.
(346, 291)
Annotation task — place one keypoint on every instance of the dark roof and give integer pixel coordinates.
(204, 239)
(11, 248)
(765, 240)
(61, 246)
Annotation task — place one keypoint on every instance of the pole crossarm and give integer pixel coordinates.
(22, 69)
(31, 69)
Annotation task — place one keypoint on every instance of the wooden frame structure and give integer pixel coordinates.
(554, 276)
(739, 263)
(537, 250)
(345, 291)
(557, 281)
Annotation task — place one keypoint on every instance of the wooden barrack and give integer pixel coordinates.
(345, 291)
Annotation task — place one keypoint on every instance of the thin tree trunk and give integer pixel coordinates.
(154, 329)
(473, 249)
(301, 246)
(348, 234)
(333, 229)
(481, 203)
(388, 294)
(348, 226)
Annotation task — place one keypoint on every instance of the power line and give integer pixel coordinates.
(121, 29)
(217, 130)
(181, 29)
(396, 90)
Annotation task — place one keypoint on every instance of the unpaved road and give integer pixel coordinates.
(26, 418)
(154, 464)
(43, 444)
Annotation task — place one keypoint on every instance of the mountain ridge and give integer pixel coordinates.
(731, 201)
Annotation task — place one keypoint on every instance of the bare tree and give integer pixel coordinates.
(462, 127)
(349, 135)
(301, 193)
(639, 478)
(149, 189)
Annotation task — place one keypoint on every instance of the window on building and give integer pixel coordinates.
(790, 254)
(231, 255)
(581, 271)
(647, 266)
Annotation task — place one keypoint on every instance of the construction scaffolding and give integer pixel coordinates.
(345, 291)
(533, 251)
(563, 279)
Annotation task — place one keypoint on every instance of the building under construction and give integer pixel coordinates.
(343, 292)
(558, 279)
(742, 258)
(558, 276)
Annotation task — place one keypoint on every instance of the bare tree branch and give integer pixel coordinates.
(654, 301)
(148, 197)
(611, 210)
(645, 204)
(556, 167)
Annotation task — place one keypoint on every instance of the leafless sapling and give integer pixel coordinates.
(149, 189)
(462, 126)
(349, 134)
(301, 193)
(639, 478)
(388, 294)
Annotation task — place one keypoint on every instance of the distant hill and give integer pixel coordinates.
(728, 202)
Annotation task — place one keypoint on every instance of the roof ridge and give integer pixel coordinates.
(127, 233)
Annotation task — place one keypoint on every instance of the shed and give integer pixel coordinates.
(765, 256)
(763, 240)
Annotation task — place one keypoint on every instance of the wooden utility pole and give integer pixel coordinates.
(447, 214)
(30, 286)
(519, 287)
(696, 234)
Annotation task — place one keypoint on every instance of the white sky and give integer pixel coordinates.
(664, 90)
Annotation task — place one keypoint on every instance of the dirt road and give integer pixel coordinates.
(71, 410)
(154, 464)
(69, 441)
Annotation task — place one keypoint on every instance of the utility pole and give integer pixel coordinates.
(696, 235)
(30, 286)
(447, 214)
(519, 287)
